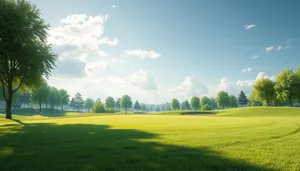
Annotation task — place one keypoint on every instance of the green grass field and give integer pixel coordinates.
(237, 139)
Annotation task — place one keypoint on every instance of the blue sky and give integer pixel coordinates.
(158, 50)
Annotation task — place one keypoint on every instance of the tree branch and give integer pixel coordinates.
(19, 85)
(3, 90)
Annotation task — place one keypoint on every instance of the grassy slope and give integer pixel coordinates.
(240, 139)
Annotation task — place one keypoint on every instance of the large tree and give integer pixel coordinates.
(65, 98)
(110, 103)
(195, 103)
(25, 55)
(126, 102)
(89, 104)
(175, 104)
(223, 99)
(287, 86)
(264, 90)
(232, 101)
(242, 99)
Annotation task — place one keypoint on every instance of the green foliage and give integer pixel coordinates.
(126, 102)
(137, 106)
(89, 103)
(78, 101)
(54, 97)
(65, 98)
(175, 104)
(41, 95)
(213, 103)
(205, 103)
(264, 90)
(223, 99)
(23, 29)
(242, 99)
(206, 107)
(287, 86)
(99, 108)
(110, 103)
(143, 107)
(187, 105)
(118, 104)
(254, 100)
(195, 103)
(232, 101)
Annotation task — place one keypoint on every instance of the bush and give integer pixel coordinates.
(99, 108)
(110, 110)
(206, 107)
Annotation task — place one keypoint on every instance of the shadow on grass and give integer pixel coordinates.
(32, 112)
(46, 146)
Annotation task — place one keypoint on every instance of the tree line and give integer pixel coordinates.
(285, 90)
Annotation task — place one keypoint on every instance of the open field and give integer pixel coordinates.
(237, 139)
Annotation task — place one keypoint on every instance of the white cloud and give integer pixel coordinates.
(254, 57)
(80, 37)
(142, 79)
(225, 85)
(113, 6)
(115, 60)
(246, 70)
(108, 41)
(246, 27)
(142, 53)
(190, 86)
(263, 75)
(102, 53)
(102, 65)
(268, 49)
(279, 48)
(246, 85)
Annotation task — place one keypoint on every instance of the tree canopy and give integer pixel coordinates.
(242, 99)
(223, 99)
(175, 104)
(137, 105)
(264, 89)
(89, 103)
(232, 101)
(126, 102)
(195, 103)
(25, 55)
(287, 86)
(110, 103)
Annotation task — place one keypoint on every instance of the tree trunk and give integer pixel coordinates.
(40, 107)
(62, 107)
(8, 110)
(268, 103)
(126, 110)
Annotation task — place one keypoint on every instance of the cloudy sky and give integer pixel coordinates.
(157, 50)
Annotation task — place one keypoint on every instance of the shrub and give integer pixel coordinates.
(99, 108)
(206, 107)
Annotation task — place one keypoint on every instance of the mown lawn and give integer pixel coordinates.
(238, 139)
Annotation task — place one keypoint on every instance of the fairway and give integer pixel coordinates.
(237, 139)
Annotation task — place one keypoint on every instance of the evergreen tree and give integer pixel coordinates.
(242, 99)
